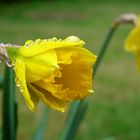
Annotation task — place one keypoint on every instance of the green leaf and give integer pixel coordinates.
(41, 127)
(8, 112)
(75, 116)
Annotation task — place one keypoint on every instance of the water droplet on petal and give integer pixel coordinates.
(44, 41)
(37, 40)
(54, 39)
(17, 82)
(56, 66)
(28, 43)
(90, 91)
(60, 40)
(62, 110)
(72, 39)
(21, 90)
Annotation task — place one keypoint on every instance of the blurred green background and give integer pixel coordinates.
(113, 112)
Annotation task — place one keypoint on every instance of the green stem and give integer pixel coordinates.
(74, 118)
(103, 49)
(70, 121)
(41, 127)
(9, 112)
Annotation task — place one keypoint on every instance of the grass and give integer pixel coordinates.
(113, 112)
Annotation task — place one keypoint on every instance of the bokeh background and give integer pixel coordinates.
(114, 108)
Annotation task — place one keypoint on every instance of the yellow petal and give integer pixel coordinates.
(21, 82)
(50, 100)
(132, 43)
(41, 65)
(34, 97)
(31, 48)
(64, 55)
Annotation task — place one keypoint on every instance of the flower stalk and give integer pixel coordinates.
(103, 49)
(42, 125)
(77, 112)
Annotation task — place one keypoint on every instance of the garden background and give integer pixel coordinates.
(113, 112)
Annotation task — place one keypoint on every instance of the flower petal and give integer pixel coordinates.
(49, 99)
(21, 82)
(34, 97)
(64, 55)
(41, 65)
(132, 43)
(31, 48)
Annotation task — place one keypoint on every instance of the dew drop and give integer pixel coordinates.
(72, 39)
(54, 39)
(62, 110)
(60, 40)
(17, 82)
(37, 40)
(44, 41)
(90, 91)
(21, 90)
(28, 43)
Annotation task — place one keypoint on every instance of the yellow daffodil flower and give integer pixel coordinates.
(132, 43)
(55, 71)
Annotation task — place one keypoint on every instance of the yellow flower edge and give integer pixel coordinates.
(55, 71)
(132, 43)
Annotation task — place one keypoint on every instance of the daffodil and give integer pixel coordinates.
(132, 43)
(55, 71)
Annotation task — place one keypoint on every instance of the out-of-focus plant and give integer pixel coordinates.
(132, 43)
